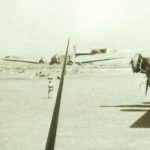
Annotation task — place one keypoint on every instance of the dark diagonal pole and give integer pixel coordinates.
(53, 127)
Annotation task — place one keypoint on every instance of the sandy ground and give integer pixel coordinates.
(25, 112)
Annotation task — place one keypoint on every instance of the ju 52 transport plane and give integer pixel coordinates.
(71, 59)
(141, 64)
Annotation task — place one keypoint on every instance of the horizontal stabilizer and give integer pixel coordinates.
(83, 54)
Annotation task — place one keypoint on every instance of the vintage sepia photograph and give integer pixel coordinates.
(74, 74)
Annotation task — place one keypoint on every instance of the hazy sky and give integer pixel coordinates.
(42, 27)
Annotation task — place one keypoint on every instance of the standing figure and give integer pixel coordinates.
(50, 89)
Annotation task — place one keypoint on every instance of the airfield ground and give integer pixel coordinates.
(88, 119)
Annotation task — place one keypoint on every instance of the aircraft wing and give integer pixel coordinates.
(24, 61)
(97, 60)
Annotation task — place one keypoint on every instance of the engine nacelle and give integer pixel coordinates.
(55, 60)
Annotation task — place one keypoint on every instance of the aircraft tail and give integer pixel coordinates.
(75, 52)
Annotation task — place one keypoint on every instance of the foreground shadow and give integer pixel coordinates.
(133, 110)
(146, 103)
(143, 121)
(139, 106)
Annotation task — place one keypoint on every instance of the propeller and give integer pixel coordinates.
(148, 76)
(147, 84)
(131, 62)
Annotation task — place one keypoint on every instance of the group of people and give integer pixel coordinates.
(50, 85)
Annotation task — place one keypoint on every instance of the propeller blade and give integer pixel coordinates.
(131, 62)
(147, 84)
(54, 122)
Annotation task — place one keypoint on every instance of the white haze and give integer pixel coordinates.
(42, 27)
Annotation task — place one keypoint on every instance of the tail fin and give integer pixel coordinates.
(74, 47)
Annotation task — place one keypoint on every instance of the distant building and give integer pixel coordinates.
(12, 57)
(96, 51)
